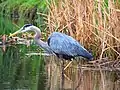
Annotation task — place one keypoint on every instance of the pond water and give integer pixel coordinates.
(19, 71)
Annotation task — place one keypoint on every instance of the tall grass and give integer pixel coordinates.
(21, 5)
(21, 12)
(95, 24)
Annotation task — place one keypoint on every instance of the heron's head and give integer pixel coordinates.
(25, 28)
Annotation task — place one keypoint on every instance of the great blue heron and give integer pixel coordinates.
(60, 44)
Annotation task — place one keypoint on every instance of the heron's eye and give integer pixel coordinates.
(23, 28)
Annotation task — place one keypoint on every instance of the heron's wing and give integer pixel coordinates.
(59, 44)
(65, 45)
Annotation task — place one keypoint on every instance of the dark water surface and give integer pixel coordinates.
(35, 72)
(18, 71)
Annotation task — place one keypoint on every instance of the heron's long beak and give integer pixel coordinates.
(13, 34)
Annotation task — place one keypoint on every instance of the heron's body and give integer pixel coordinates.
(62, 45)
(66, 47)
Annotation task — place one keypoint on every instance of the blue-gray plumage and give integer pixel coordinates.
(67, 47)
(62, 45)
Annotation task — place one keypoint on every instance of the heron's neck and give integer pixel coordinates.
(41, 43)
(44, 45)
(37, 33)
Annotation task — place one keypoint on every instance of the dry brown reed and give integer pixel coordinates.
(94, 23)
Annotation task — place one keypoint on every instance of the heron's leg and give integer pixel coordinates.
(68, 64)
(63, 74)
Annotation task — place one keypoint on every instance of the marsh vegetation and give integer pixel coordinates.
(94, 23)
